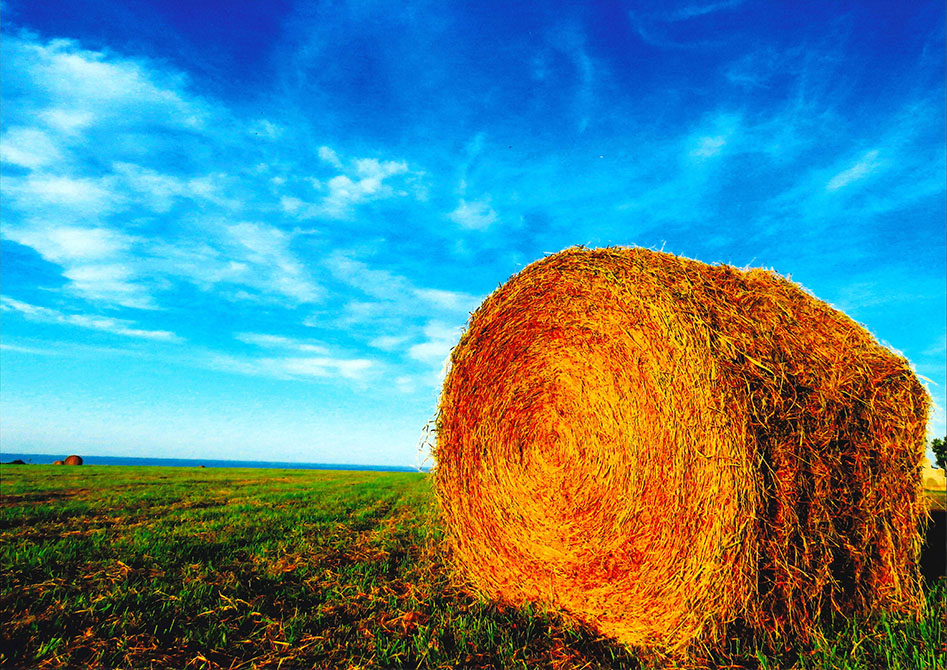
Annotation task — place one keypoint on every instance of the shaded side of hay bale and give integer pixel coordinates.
(837, 422)
(73, 460)
(667, 449)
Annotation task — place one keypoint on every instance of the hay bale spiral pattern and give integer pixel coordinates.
(669, 450)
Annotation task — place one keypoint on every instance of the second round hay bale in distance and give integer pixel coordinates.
(667, 449)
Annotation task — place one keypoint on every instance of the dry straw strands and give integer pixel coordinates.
(671, 451)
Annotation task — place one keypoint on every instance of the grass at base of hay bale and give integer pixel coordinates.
(218, 568)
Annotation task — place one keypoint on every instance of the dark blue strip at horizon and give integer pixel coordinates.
(47, 459)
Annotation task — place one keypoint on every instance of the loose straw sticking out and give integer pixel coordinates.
(670, 450)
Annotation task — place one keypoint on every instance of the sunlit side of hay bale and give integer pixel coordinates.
(670, 450)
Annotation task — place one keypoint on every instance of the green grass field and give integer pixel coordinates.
(237, 568)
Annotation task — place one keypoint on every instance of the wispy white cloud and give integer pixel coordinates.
(454, 301)
(406, 384)
(292, 205)
(696, 10)
(93, 322)
(472, 151)
(569, 40)
(295, 367)
(69, 244)
(155, 190)
(27, 350)
(127, 228)
(439, 339)
(109, 283)
(825, 195)
(433, 350)
(98, 84)
(868, 164)
(389, 342)
(247, 254)
(390, 320)
(259, 256)
(266, 129)
(361, 318)
(709, 146)
(375, 282)
(269, 341)
(474, 215)
(756, 68)
(67, 121)
(367, 184)
(328, 155)
(96, 204)
(352, 368)
(678, 191)
(404, 297)
(107, 266)
(655, 27)
(28, 147)
(91, 260)
(74, 195)
(720, 132)
(365, 180)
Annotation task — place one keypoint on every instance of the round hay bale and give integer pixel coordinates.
(73, 460)
(671, 451)
(59, 463)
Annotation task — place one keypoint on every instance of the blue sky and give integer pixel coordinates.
(254, 230)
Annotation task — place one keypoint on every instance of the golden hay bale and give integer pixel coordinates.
(59, 462)
(672, 451)
(73, 460)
